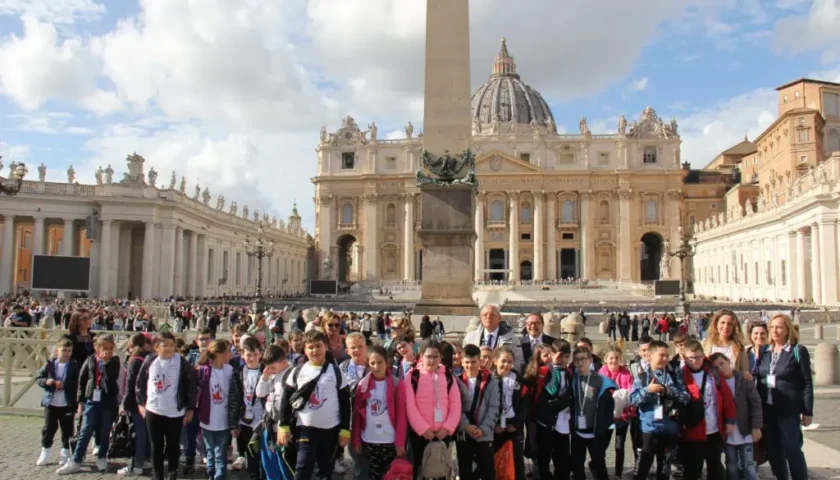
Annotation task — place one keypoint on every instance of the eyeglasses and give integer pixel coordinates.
(333, 325)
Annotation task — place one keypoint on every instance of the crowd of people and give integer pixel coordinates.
(296, 398)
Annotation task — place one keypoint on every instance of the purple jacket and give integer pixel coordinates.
(203, 397)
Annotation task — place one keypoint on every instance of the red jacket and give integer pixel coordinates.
(395, 394)
(723, 401)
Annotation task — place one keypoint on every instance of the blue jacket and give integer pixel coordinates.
(600, 412)
(675, 395)
(71, 382)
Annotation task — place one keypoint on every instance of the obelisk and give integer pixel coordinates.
(447, 229)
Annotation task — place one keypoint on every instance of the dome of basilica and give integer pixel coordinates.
(505, 101)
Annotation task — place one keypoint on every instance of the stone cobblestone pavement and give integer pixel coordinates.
(20, 438)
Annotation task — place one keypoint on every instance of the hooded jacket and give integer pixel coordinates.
(71, 383)
(598, 404)
(486, 412)
(395, 398)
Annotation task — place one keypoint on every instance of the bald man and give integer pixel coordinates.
(493, 333)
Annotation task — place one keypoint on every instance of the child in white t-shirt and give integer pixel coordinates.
(247, 405)
(215, 376)
(747, 431)
(270, 389)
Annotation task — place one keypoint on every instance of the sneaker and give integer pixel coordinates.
(95, 450)
(102, 464)
(44, 458)
(339, 468)
(127, 470)
(239, 463)
(63, 457)
(68, 468)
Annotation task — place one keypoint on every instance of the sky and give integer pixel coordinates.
(231, 94)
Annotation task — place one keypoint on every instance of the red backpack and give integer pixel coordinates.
(400, 469)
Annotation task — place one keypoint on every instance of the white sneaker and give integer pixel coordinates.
(95, 450)
(148, 466)
(339, 468)
(68, 468)
(239, 463)
(44, 458)
(102, 464)
(127, 470)
(63, 457)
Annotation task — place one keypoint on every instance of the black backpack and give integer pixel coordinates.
(121, 443)
(415, 378)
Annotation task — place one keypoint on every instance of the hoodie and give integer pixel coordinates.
(395, 395)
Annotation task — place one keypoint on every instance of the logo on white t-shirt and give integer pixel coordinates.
(376, 406)
(315, 400)
(217, 394)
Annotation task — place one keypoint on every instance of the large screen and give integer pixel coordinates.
(666, 287)
(323, 287)
(51, 272)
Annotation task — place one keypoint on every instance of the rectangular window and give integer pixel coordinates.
(784, 274)
(756, 273)
(348, 160)
(567, 236)
(525, 157)
(210, 266)
(603, 158)
(566, 159)
(391, 163)
(803, 135)
(225, 257)
(526, 236)
(650, 155)
(803, 159)
(831, 104)
(238, 268)
(746, 275)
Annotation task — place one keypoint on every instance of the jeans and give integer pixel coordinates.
(55, 417)
(163, 433)
(141, 441)
(783, 437)
(97, 417)
(216, 448)
(693, 454)
(189, 438)
(739, 458)
(316, 447)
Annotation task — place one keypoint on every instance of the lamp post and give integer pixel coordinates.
(259, 250)
(686, 250)
(13, 187)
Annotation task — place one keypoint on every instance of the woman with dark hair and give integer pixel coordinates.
(79, 333)
(426, 329)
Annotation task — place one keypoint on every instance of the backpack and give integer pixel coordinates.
(437, 460)
(302, 400)
(121, 442)
(415, 379)
(400, 469)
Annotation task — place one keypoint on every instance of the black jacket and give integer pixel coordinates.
(236, 409)
(71, 383)
(426, 329)
(132, 371)
(546, 406)
(794, 392)
(520, 399)
(109, 381)
(81, 350)
(526, 345)
(186, 383)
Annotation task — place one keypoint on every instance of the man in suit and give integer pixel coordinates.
(493, 333)
(534, 336)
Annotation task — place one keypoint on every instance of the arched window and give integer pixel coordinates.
(391, 214)
(525, 213)
(651, 214)
(347, 214)
(604, 211)
(497, 211)
(833, 140)
(567, 211)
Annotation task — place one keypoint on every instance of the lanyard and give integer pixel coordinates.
(96, 373)
(774, 359)
(435, 386)
(583, 389)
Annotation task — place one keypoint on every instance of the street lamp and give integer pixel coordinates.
(259, 249)
(687, 249)
(13, 187)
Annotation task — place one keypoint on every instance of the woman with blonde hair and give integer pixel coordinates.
(331, 325)
(787, 393)
(726, 337)
(401, 327)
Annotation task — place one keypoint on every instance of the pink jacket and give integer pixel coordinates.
(396, 409)
(420, 407)
(624, 379)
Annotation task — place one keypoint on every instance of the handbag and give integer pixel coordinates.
(121, 442)
(503, 462)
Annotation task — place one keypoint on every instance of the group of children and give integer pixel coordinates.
(293, 410)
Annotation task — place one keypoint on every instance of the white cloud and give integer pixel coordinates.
(817, 30)
(639, 84)
(13, 153)
(53, 11)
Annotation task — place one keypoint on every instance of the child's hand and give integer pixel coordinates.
(343, 441)
(283, 437)
(730, 429)
(498, 429)
(511, 428)
(429, 434)
(50, 382)
(234, 433)
(58, 385)
(400, 451)
(756, 434)
(142, 410)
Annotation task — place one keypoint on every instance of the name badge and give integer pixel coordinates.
(97, 395)
(438, 415)
(659, 412)
(771, 381)
(581, 421)
(504, 421)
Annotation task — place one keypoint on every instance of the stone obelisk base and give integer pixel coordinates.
(447, 233)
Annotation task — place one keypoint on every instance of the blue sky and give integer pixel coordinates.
(232, 94)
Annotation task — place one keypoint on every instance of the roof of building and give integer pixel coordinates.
(808, 80)
(506, 99)
(744, 148)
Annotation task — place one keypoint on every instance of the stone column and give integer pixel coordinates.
(167, 260)
(673, 218)
(539, 246)
(625, 253)
(585, 201)
(371, 246)
(38, 237)
(408, 243)
(148, 260)
(791, 266)
(551, 238)
(201, 265)
(192, 275)
(325, 241)
(179, 262)
(816, 276)
(479, 240)
(67, 241)
(801, 280)
(513, 255)
(105, 281)
(7, 263)
(828, 261)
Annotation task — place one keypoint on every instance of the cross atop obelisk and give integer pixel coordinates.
(446, 118)
(447, 229)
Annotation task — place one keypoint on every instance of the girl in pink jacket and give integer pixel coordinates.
(618, 373)
(433, 401)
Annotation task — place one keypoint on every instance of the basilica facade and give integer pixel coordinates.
(549, 205)
(147, 237)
